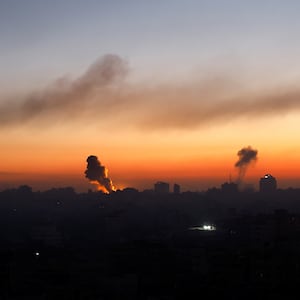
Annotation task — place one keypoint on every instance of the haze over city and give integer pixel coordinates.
(158, 90)
(149, 149)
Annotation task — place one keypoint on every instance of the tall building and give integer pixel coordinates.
(176, 188)
(161, 187)
(267, 184)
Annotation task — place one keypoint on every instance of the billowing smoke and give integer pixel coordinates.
(65, 98)
(246, 156)
(98, 174)
(103, 95)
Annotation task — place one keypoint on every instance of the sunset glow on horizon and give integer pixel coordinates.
(167, 91)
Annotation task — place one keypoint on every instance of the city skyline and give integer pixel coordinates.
(161, 91)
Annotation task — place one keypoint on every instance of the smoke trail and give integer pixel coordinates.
(101, 95)
(67, 98)
(98, 174)
(246, 156)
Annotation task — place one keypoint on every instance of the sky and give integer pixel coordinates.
(163, 90)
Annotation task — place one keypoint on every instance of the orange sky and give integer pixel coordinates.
(197, 159)
(187, 131)
(158, 90)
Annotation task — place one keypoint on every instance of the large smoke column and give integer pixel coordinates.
(246, 156)
(98, 174)
(102, 94)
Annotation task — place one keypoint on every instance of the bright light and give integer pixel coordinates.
(207, 227)
(204, 228)
(37, 253)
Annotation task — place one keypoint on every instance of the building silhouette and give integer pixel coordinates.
(161, 187)
(176, 188)
(267, 184)
(229, 188)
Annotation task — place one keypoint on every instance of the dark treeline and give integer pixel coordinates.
(59, 244)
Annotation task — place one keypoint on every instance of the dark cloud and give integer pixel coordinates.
(101, 94)
(65, 98)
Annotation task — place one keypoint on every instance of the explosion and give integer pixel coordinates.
(246, 156)
(98, 175)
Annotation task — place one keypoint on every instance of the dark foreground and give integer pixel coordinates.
(129, 245)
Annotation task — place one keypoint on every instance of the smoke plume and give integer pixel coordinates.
(98, 174)
(101, 94)
(246, 156)
(65, 99)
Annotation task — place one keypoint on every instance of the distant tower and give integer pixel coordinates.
(176, 188)
(161, 187)
(267, 184)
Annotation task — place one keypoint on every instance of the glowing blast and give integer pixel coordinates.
(98, 174)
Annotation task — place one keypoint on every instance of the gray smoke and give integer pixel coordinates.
(66, 99)
(101, 94)
(246, 156)
(98, 174)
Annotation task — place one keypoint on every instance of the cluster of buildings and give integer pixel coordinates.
(161, 187)
(267, 184)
